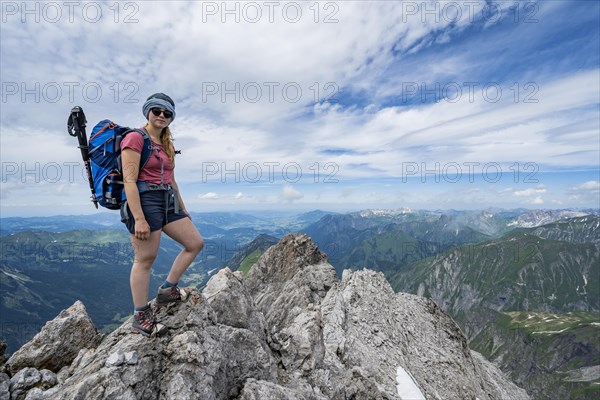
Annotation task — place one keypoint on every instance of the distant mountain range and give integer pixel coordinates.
(405, 236)
(210, 223)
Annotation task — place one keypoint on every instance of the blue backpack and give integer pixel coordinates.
(105, 161)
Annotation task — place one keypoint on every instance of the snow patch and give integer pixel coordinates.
(385, 213)
(406, 386)
(550, 332)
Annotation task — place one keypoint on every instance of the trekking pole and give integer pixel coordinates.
(76, 127)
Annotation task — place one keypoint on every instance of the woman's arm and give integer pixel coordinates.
(131, 164)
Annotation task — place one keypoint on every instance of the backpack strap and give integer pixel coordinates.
(147, 149)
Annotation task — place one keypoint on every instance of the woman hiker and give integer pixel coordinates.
(154, 204)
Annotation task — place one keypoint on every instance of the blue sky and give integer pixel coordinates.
(338, 105)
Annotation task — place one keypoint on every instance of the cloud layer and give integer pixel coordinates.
(308, 103)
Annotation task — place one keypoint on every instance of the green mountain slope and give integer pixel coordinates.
(531, 305)
(388, 251)
(250, 253)
(517, 272)
(552, 355)
(388, 241)
(575, 230)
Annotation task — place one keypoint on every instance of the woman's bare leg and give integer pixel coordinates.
(184, 232)
(145, 252)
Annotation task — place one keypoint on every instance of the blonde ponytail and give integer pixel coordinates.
(166, 139)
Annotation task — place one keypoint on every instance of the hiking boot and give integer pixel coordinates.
(144, 323)
(170, 295)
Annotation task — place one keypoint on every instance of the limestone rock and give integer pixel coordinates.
(131, 358)
(348, 338)
(287, 278)
(232, 303)
(243, 331)
(261, 390)
(4, 386)
(115, 359)
(369, 328)
(3, 356)
(29, 378)
(58, 343)
(493, 379)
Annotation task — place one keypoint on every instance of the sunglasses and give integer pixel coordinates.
(158, 111)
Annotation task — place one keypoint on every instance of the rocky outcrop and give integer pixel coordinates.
(58, 343)
(290, 330)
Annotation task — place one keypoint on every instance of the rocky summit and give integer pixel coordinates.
(290, 330)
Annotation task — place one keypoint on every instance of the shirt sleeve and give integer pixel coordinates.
(134, 141)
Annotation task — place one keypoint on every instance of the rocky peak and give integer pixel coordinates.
(58, 343)
(291, 278)
(284, 260)
(290, 330)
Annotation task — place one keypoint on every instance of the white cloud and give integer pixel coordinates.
(537, 201)
(191, 57)
(476, 131)
(249, 198)
(7, 189)
(530, 191)
(589, 185)
(587, 192)
(209, 196)
(289, 194)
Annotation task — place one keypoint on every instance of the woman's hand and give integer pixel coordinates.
(142, 229)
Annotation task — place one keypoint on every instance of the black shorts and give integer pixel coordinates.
(158, 207)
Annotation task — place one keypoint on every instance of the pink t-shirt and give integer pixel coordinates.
(151, 171)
